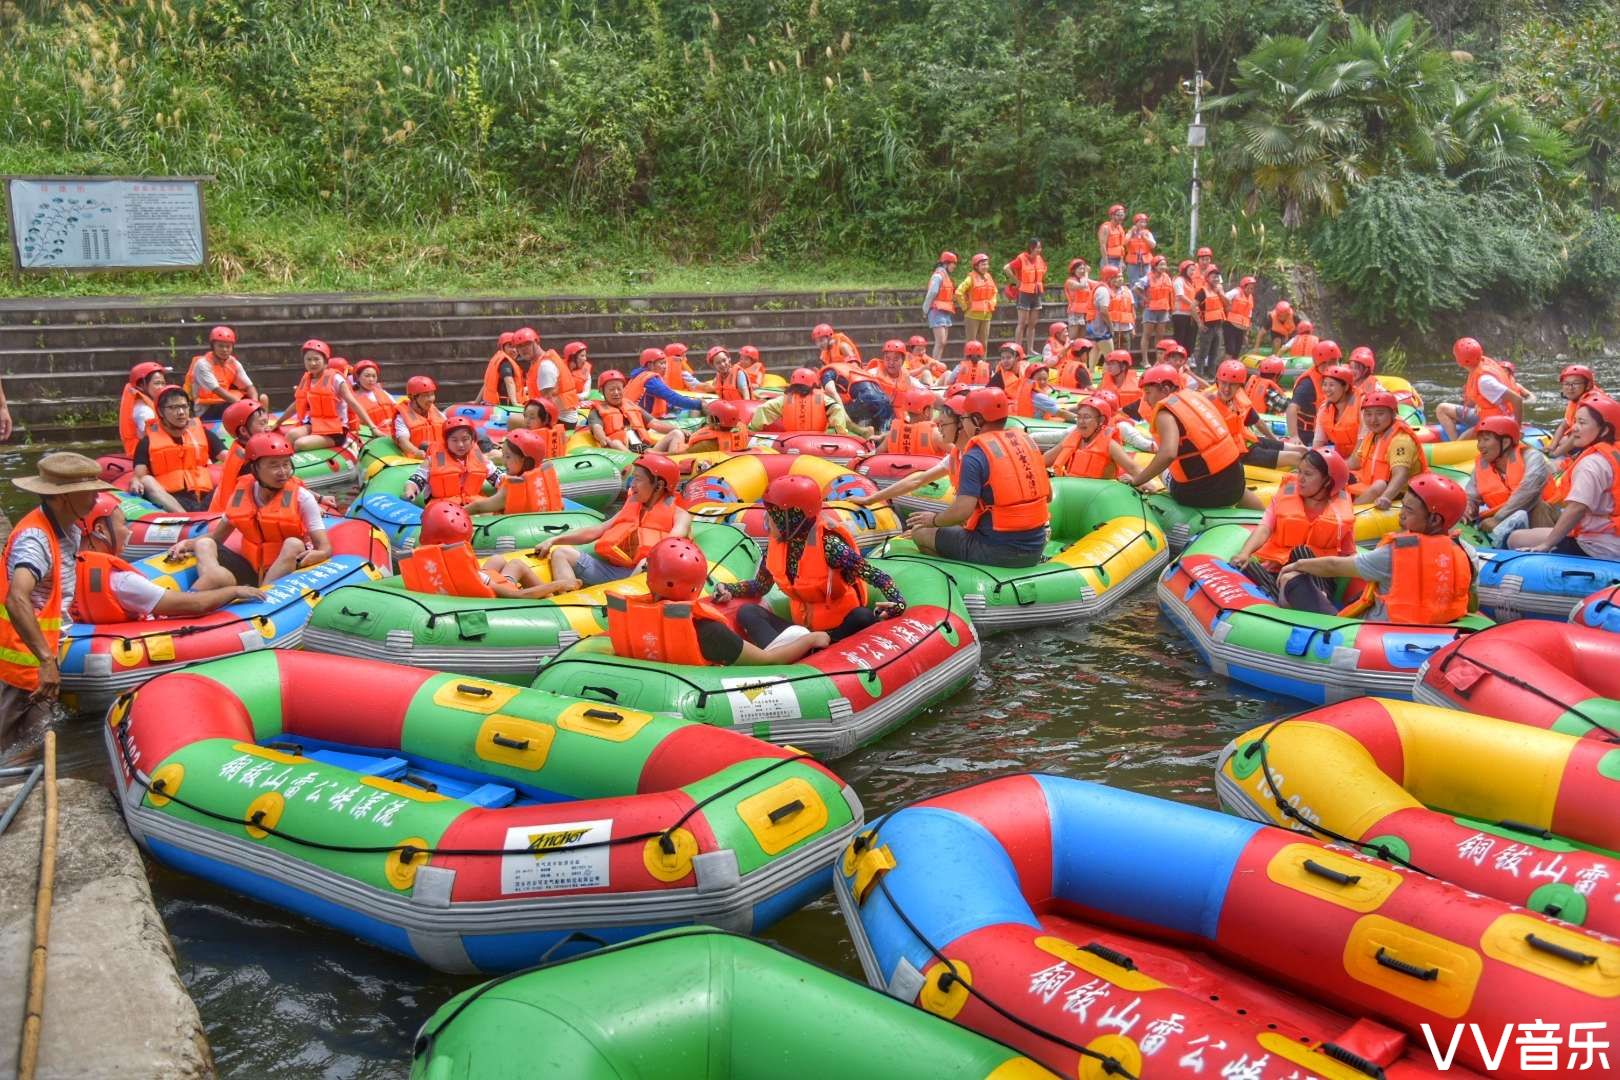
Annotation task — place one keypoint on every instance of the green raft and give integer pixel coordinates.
(696, 1004)
(592, 477)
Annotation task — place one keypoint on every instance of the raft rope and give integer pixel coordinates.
(1523, 684)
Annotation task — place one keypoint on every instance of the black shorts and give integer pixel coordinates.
(1224, 488)
(1029, 301)
(239, 568)
(1263, 453)
(955, 542)
(193, 501)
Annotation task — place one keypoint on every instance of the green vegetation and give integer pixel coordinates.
(633, 145)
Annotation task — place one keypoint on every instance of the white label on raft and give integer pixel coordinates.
(163, 534)
(754, 701)
(553, 862)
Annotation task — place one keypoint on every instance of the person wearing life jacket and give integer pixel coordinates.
(977, 295)
(1158, 290)
(217, 378)
(243, 420)
(1204, 461)
(951, 434)
(1422, 575)
(1079, 309)
(1307, 394)
(1338, 416)
(726, 430)
(1139, 248)
(1365, 365)
(1074, 366)
(730, 383)
(1239, 316)
(529, 482)
(1057, 344)
(816, 563)
(171, 460)
(137, 405)
(1574, 383)
(454, 469)
(672, 624)
(1310, 516)
(833, 346)
(418, 423)
(753, 366)
(920, 363)
(279, 522)
(805, 406)
(889, 373)
(1303, 342)
(1171, 352)
(1488, 391)
(1213, 318)
(1109, 299)
(974, 370)
(1111, 238)
(443, 562)
(1589, 516)
(1094, 449)
(1120, 378)
(940, 302)
(576, 355)
(538, 418)
(1250, 433)
(678, 371)
(37, 576)
(379, 405)
(913, 431)
(1184, 305)
(1388, 456)
(1028, 272)
(1000, 515)
(1121, 308)
(110, 590)
(619, 546)
(1281, 325)
(651, 387)
(322, 403)
(1263, 388)
(503, 375)
(617, 422)
(546, 375)
(1505, 490)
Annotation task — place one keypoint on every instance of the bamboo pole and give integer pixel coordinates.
(34, 1016)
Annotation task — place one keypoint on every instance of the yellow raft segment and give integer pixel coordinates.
(731, 491)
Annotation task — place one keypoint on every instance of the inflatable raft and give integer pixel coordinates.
(731, 491)
(838, 449)
(1601, 610)
(153, 530)
(1534, 672)
(1540, 584)
(1244, 634)
(1528, 816)
(594, 478)
(1182, 524)
(489, 636)
(102, 660)
(1104, 543)
(697, 982)
(844, 696)
(1154, 939)
(470, 825)
(320, 470)
(382, 502)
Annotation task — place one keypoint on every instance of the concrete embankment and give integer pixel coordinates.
(114, 1004)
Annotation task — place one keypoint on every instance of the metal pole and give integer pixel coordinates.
(1198, 121)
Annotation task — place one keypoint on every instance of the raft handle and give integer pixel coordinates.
(419, 781)
(1335, 876)
(604, 691)
(473, 690)
(1352, 1059)
(1521, 827)
(511, 744)
(606, 715)
(1396, 964)
(782, 813)
(1563, 952)
(1118, 959)
(285, 747)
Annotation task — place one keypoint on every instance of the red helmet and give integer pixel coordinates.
(727, 414)
(1232, 371)
(222, 333)
(1606, 407)
(611, 375)
(918, 401)
(1160, 260)
(748, 352)
(1212, 271)
(916, 341)
(1077, 262)
(821, 330)
(338, 363)
(675, 348)
(1080, 345)
(1160, 374)
(1204, 251)
(660, 468)
(1466, 351)
(1245, 282)
(268, 444)
(1052, 331)
(1305, 327)
(573, 349)
(894, 345)
(803, 377)
(237, 414)
(973, 348)
(1572, 371)
(1185, 264)
(460, 423)
(714, 351)
(795, 492)
(1116, 209)
(1326, 352)
(143, 371)
(1036, 369)
(443, 522)
(980, 257)
(1378, 399)
(1139, 219)
(989, 402)
(947, 256)
(651, 356)
(1283, 307)
(1341, 372)
(317, 345)
(419, 384)
(1272, 366)
(1013, 346)
(361, 365)
(955, 400)
(548, 411)
(1103, 406)
(1172, 347)
(1502, 426)
(1364, 356)
(106, 504)
(531, 444)
(1509, 366)
(504, 340)
(1121, 356)
(1108, 273)
(525, 335)
(676, 569)
(1440, 496)
(1332, 463)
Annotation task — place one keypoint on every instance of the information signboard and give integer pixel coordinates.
(106, 223)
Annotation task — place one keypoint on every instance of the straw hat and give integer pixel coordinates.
(63, 474)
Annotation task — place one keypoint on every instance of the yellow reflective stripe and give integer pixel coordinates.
(20, 659)
(44, 624)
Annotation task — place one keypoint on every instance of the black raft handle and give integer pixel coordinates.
(601, 691)
(782, 813)
(1118, 959)
(473, 691)
(1335, 876)
(605, 715)
(1395, 964)
(1563, 952)
(511, 744)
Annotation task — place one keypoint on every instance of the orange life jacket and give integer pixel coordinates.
(755, 370)
(1079, 456)
(1113, 240)
(663, 631)
(615, 418)
(1121, 305)
(945, 299)
(127, 431)
(19, 667)
(1138, 246)
(730, 441)
(1031, 273)
(981, 294)
(225, 373)
(1373, 454)
(804, 412)
(1241, 312)
(179, 464)
(1204, 434)
(635, 392)
(1233, 413)
(444, 570)
(1260, 390)
(266, 528)
(569, 397)
(913, 437)
(1214, 305)
(1017, 477)
(1341, 422)
(1129, 391)
(633, 531)
(973, 372)
(93, 598)
(1077, 291)
(494, 391)
(379, 405)
(423, 430)
(1293, 525)
(1283, 324)
(1182, 298)
(458, 480)
(1161, 291)
(567, 386)
(1613, 454)
(1307, 419)
(1472, 396)
(831, 353)
(818, 596)
(1068, 376)
(1496, 488)
(726, 389)
(556, 437)
(1304, 345)
(317, 398)
(230, 473)
(1430, 581)
(535, 492)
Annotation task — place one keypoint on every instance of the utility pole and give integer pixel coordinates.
(1196, 137)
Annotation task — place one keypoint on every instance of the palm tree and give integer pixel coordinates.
(1406, 87)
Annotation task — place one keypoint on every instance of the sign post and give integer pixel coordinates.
(90, 223)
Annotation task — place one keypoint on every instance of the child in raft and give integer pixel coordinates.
(444, 525)
(1311, 515)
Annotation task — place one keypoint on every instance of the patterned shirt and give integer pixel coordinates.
(840, 557)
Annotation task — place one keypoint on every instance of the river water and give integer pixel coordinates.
(1124, 702)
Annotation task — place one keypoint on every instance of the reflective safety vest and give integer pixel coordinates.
(179, 464)
(1472, 396)
(633, 531)
(1304, 345)
(913, 437)
(1138, 246)
(93, 598)
(945, 299)
(458, 480)
(616, 418)
(1261, 390)
(1613, 454)
(1341, 423)
(1128, 389)
(1031, 273)
(1292, 525)
(1204, 434)
(444, 570)
(1214, 305)
(19, 667)
(1079, 456)
(317, 399)
(1496, 488)
(1121, 306)
(423, 430)
(127, 431)
(1430, 582)
(981, 294)
(1077, 291)
(380, 406)
(973, 372)
(804, 412)
(818, 596)
(1018, 480)
(1233, 412)
(1283, 324)
(535, 492)
(732, 441)
(1373, 455)
(264, 529)
(1113, 240)
(1241, 311)
(1161, 292)
(494, 391)
(664, 631)
(230, 473)
(228, 373)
